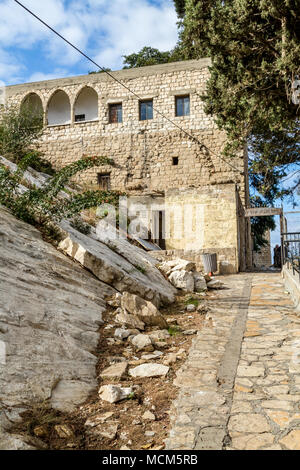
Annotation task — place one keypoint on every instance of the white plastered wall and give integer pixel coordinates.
(87, 103)
(59, 109)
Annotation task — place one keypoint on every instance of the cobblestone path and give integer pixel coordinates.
(240, 386)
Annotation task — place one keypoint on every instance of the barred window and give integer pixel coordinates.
(104, 181)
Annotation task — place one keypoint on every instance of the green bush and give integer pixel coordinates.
(19, 130)
(45, 207)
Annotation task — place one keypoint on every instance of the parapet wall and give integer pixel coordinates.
(292, 285)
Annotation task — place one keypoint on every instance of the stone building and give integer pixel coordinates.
(184, 184)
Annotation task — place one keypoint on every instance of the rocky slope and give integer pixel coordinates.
(50, 313)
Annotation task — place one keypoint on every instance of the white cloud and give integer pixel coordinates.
(39, 76)
(104, 29)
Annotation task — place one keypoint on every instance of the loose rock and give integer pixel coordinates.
(182, 280)
(115, 371)
(144, 310)
(114, 393)
(130, 321)
(149, 416)
(142, 342)
(149, 370)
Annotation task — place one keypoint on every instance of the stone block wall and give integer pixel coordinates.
(263, 257)
(143, 151)
(164, 155)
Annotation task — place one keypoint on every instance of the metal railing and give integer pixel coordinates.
(291, 251)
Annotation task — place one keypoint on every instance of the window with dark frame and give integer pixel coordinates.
(79, 117)
(146, 110)
(115, 113)
(175, 161)
(182, 104)
(104, 181)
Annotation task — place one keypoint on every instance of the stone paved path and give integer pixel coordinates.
(240, 386)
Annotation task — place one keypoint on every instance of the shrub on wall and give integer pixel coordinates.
(45, 207)
(19, 131)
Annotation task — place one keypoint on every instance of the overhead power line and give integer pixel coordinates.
(195, 139)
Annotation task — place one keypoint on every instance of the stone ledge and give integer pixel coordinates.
(292, 285)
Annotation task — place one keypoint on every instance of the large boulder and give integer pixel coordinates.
(50, 313)
(183, 280)
(142, 309)
(177, 265)
(118, 263)
(130, 321)
(200, 282)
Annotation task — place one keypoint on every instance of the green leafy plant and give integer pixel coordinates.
(45, 207)
(173, 330)
(192, 301)
(19, 131)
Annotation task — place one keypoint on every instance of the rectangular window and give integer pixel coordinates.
(182, 105)
(104, 181)
(115, 113)
(146, 110)
(79, 117)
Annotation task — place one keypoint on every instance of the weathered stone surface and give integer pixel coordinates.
(130, 321)
(292, 440)
(50, 313)
(160, 335)
(200, 282)
(114, 266)
(148, 416)
(149, 370)
(191, 308)
(121, 333)
(251, 422)
(143, 310)
(252, 442)
(215, 284)
(116, 371)
(154, 355)
(182, 280)
(142, 342)
(114, 393)
(67, 394)
(177, 265)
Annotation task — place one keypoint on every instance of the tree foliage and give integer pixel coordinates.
(150, 56)
(255, 50)
(19, 129)
(45, 207)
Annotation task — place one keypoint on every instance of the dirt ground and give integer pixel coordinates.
(56, 430)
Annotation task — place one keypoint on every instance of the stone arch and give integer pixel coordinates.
(59, 109)
(33, 103)
(86, 105)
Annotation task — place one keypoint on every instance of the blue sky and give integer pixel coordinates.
(105, 29)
